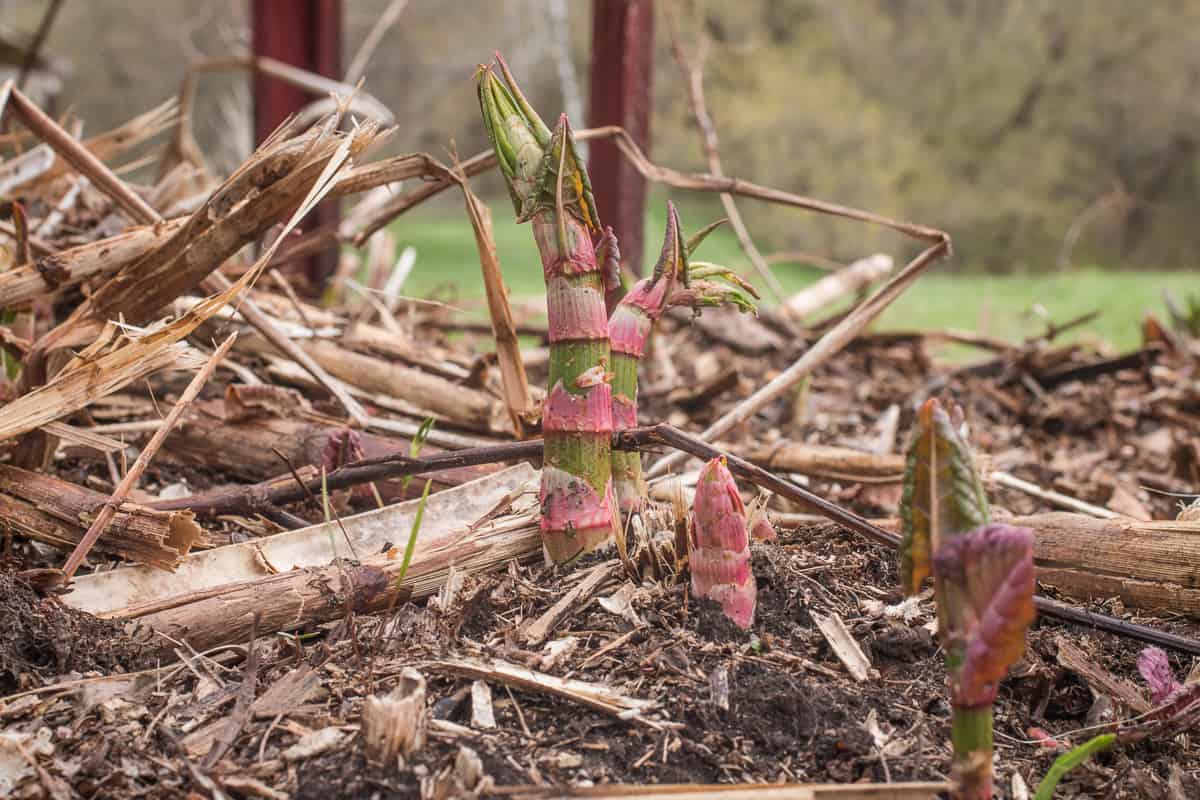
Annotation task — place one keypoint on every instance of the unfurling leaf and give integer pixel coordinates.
(943, 496)
(989, 581)
(1154, 667)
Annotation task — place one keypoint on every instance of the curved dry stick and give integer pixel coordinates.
(408, 166)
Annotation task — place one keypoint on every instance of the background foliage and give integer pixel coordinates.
(1018, 125)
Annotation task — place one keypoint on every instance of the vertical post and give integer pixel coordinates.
(622, 66)
(306, 34)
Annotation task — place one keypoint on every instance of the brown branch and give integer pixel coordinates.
(100, 524)
(409, 166)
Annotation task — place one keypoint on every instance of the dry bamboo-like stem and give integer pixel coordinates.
(69, 268)
(826, 347)
(48, 510)
(460, 405)
(81, 158)
(105, 517)
(301, 597)
(694, 73)
(846, 281)
(270, 331)
(508, 349)
(446, 518)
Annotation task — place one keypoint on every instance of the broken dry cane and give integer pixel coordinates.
(550, 189)
(719, 545)
(983, 584)
(676, 281)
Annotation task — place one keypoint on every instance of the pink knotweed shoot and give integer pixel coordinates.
(719, 545)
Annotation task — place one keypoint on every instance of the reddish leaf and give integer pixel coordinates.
(989, 581)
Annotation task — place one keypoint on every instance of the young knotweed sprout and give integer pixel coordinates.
(550, 189)
(719, 545)
(983, 584)
(676, 281)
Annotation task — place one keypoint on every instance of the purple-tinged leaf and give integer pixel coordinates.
(989, 580)
(1155, 668)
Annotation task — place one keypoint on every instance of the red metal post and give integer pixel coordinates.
(622, 64)
(307, 34)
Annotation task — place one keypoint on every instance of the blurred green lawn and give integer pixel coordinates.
(997, 305)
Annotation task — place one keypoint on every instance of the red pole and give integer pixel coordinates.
(307, 34)
(622, 66)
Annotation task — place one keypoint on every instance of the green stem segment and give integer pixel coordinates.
(550, 188)
(971, 735)
(675, 281)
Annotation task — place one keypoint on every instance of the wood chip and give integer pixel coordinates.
(845, 647)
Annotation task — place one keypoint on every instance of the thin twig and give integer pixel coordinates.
(422, 165)
(82, 159)
(694, 74)
(1049, 495)
(109, 510)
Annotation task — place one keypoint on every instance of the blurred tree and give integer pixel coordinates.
(1035, 131)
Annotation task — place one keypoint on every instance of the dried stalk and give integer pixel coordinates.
(460, 405)
(79, 157)
(66, 269)
(101, 523)
(846, 281)
(300, 598)
(447, 518)
(52, 511)
(517, 399)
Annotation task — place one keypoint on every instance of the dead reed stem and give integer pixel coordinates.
(100, 524)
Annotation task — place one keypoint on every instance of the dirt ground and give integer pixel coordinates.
(282, 716)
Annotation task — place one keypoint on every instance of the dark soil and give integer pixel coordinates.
(42, 639)
(772, 704)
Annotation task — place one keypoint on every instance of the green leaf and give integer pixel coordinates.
(943, 495)
(414, 449)
(1069, 761)
(412, 535)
